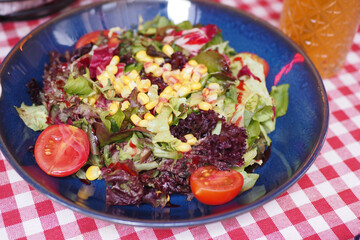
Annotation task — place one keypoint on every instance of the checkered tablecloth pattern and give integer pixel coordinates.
(324, 204)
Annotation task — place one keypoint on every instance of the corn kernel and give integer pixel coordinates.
(143, 57)
(184, 90)
(213, 86)
(176, 86)
(125, 92)
(148, 116)
(190, 139)
(135, 119)
(196, 76)
(112, 69)
(150, 67)
(159, 107)
(189, 136)
(205, 92)
(167, 67)
(151, 105)
(106, 78)
(110, 93)
(144, 85)
(92, 101)
(211, 97)
(118, 86)
(171, 117)
(186, 74)
(166, 96)
(159, 60)
(168, 90)
(143, 98)
(143, 123)
(132, 84)
(205, 106)
(193, 62)
(126, 80)
(158, 72)
(168, 50)
(85, 100)
(113, 108)
(195, 86)
(134, 75)
(183, 147)
(93, 172)
(115, 60)
(166, 75)
(125, 105)
(201, 68)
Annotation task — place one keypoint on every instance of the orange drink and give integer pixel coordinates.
(323, 28)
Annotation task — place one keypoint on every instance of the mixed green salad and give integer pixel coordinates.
(156, 110)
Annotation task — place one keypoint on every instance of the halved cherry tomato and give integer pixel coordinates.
(213, 187)
(61, 150)
(93, 37)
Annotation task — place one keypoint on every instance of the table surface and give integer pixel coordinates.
(324, 204)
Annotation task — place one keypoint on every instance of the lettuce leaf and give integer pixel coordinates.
(280, 94)
(34, 117)
(78, 86)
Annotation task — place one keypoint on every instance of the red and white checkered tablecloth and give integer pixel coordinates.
(324, 204)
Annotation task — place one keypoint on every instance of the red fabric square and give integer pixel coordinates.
(86, 224)
(238, 234)
(305, 182)
(7, 26)
(353, 164)
(132, 236)
(267, 226)
(13, 41)
(340, 115)
(11, 218)
(2, 166)
(350, 68)
(54, 233)
(44, 208)
(329, 172)
(6, 191)
(345, 90)
(295, 216)
(313, 237)
(356, 134)
(335, 142)
(348, 196)
(322, 206)
(342, 232)
(163, 233)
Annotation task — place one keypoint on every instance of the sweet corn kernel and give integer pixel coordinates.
(151, 105)
(110, 93)
(201, 68)
(143, 57)
(166, 75)
(92, 101)
(132, 84)
(113, 108)
(85, 100)
(167, 67)
(112, 69)
(159, 60)
(144, 85)
(115, 60)
(168, 90)
(164, 95)
(159, 107)
(93, 172)
(195, 86)
(133, 75)
(143, 123)
(151, 67)
(205, 106)
(148, 116)
(190, 139)
(205, 92)
(189, 136)
(193, 62)
(125, 105)
(183, 147)
(168, 50)
(170, 119)
(177, 86)
(118, 86)
(213, 86)
(158, 72)
(105, 78)
(196, 76)
(135, 119)
(143, 98)
(184, 90)
(126, 80)
(125, 91)
(211, 97)
(185, 74)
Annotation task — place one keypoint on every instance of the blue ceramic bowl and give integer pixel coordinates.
(297, 140)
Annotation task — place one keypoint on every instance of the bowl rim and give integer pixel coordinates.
(175, 223)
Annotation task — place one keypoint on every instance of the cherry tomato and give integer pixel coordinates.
(213, 187)
(61, 150)
(93, 37)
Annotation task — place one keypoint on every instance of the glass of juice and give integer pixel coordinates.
(324, 29)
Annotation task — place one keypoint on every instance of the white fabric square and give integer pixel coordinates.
(24, 199)
(348, 79)
(13, 176)
(184, 235)
(313, 168)
(345, 214)
(356, 120)
(215, 229)
(79, 237)
(32, 226)
(65, 216)
(349, 180)
(343, 102)
(319, 224)
(3, 234)
(338, 128)
(332, 157)
(109, 232)
(273, 208)
(354, 148)
(245, 219)
(299, 198)
(290, 233)
(352, 58)
(325, 189)
(329, 86)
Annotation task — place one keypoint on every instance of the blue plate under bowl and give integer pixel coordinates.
(297, 140)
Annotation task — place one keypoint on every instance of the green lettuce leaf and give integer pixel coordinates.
(34, 117)
(280, 94)
(78, 86)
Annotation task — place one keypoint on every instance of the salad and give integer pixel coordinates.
(156, 110)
